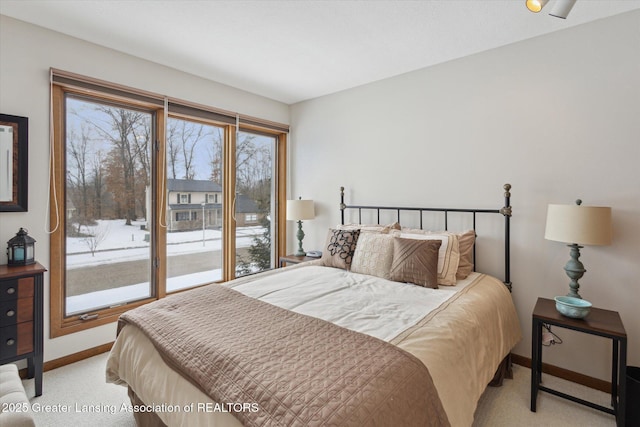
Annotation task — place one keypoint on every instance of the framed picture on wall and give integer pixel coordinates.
(14, 163)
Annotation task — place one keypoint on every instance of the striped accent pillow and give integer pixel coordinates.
(466, 241)
(415, 261)
(448, 256)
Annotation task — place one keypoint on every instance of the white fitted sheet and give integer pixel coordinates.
(363, 303)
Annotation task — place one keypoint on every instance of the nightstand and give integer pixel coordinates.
(21, 318)
(294, 259)
(604, 323)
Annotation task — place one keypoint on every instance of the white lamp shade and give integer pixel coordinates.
(298, 210)
(583, 225)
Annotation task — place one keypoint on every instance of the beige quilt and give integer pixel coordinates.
(461, 333)
(294, 370)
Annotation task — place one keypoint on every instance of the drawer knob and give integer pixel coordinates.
(11, 341)
(11, 313)
(11, 291)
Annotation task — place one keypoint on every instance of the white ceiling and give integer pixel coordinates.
(296, 50)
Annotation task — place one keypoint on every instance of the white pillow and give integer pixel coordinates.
(373, 255)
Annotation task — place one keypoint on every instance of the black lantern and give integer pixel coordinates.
(21, 250)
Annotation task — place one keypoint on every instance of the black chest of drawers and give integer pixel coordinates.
(21, 318)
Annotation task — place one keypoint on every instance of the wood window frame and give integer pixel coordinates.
(60, 324)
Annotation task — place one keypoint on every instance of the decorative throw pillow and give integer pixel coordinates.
(465, 243)
(415, 261)
(339, 249)
(373, 255)
(466, 240)
(448, 257)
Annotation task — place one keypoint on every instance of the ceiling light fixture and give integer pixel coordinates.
(562, 8)
(535, 5)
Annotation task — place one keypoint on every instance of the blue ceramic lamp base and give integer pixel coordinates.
(300, 236)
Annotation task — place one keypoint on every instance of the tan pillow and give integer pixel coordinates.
(370, 228)
(339, 249)
(415, 261)
(465, 243)
(373, 255)
(466, 240)
(448, 257)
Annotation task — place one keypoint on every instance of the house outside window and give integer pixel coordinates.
(198, 191)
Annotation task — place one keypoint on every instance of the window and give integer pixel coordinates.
(182, 216)
(154, 200)
(108, 160)
(255, 202)
(194, 163)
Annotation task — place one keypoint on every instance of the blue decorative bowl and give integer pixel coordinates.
(573, 307)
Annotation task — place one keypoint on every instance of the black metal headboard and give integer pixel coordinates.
(505, 211)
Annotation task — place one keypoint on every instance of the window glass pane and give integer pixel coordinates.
(108, 165)
(194, 203)
(255, 195)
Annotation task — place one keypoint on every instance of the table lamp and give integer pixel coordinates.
(298, 210)
(578, 225)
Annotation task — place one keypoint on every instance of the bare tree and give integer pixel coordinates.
(184, 143)
(253, 167)
(97, 170)
(121, 131)
(215, 155)
(95, 236)
(172, 148)
(77, 174)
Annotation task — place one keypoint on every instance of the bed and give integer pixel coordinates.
(397, 331)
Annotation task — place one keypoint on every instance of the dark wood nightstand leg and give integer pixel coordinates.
(614, 375)
(539, 347)
(622, 387)
(30, 367)
(536, 340)
(38, 374)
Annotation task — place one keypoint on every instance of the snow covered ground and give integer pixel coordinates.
(127, 243)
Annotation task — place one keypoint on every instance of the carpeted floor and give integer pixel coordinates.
(508, 406)
(82, 389)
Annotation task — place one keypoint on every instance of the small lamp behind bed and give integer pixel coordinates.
(298, 210)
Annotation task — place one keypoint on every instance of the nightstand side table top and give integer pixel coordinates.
(598, 320)
(295, 259)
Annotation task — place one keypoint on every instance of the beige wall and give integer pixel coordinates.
(26, 54)
(556, 116)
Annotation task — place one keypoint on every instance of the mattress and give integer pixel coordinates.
(461, 334)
